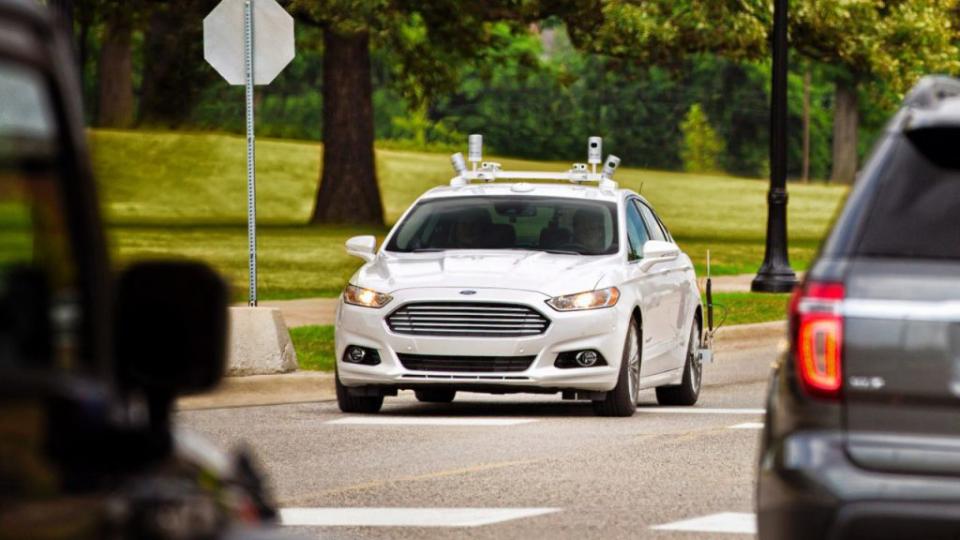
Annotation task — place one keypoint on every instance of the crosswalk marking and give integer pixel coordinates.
(696, 410)
(405, 517)
(428, 421)
(724, 522)
(748, 425)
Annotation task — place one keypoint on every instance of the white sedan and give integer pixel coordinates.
(569, 288)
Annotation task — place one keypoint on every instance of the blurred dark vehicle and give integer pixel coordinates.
(90, 365)
(862, 435)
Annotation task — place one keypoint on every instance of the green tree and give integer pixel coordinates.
(429, 40)
(702, 147)
(881, 47)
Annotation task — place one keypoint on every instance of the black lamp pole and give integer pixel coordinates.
(775, 275)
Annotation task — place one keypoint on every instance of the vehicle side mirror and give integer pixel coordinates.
(655, 251)
(170, 329)
(362, 246)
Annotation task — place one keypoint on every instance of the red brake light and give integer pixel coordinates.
(817, 327)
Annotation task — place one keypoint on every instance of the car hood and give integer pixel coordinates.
(538, 271)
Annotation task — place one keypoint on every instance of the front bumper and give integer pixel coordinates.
(809, 488)
(603, 330)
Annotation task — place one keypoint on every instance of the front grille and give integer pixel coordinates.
(465, 364)
(467, 319)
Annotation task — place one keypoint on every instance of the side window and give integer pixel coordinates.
(653, 224)
(636, 233)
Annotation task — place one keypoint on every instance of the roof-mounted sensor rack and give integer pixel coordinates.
(486, 171)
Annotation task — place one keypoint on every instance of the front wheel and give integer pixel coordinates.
(688, 392)
(356, 404)
(622, 400)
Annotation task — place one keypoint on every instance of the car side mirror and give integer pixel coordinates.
(170, 329)
(655, 251)
(362, 246)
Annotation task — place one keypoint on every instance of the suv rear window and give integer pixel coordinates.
(916, 211)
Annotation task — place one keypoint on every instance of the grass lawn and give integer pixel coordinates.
(314, 346)
(184, 195)
(745, 308)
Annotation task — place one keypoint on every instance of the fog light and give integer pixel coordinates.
(356, 354)
(361, 355)
(586, 358)
(579, 359)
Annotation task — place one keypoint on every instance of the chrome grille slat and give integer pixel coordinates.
(469, 319)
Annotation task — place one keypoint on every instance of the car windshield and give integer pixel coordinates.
(553, 224)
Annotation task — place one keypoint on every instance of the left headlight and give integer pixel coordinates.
(586, 300)
(359, 296)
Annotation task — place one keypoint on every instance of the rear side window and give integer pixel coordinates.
(653, 224)
(916, 210)
(636, 232)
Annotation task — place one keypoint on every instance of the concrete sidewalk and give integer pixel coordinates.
(322, 311)
(309, 386)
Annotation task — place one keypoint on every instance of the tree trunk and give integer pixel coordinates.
(116, 71)
(348, 184)
(845, 121)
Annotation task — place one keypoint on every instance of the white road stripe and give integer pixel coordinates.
(696, 410)
(428, 421)
(724, 522)
(405, 517)
(748, 425)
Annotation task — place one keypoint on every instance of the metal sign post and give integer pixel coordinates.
(249, 42)
(251, 158)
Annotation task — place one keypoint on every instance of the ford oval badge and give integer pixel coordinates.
(468, 292)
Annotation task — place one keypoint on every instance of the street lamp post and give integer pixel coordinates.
(775, 275)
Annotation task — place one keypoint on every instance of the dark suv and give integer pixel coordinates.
(91, 362)
(862, 434)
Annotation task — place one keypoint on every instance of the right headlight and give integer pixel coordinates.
(586, 300)
(358, 296)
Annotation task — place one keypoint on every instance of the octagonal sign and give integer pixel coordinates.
(273, 43)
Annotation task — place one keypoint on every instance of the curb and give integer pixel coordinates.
(316, 386)
(744, 336)
(258, 390)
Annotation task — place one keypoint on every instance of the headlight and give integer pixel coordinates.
(586, 300)
(359, 296)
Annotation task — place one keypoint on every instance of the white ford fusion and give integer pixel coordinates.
(572, 287)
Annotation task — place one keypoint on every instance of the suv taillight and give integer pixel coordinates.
(817, 332)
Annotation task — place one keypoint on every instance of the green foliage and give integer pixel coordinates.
(702, 147)
(888, 43)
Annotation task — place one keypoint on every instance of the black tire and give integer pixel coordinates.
(622, 400)
(688, 392)
(356, 404)
(435, 395)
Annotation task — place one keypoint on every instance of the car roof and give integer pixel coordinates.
(573, 191)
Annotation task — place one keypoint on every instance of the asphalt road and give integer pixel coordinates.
(513, 466)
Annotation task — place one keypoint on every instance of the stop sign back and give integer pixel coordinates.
(273, 42)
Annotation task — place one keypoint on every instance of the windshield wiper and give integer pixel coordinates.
(562, 252)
